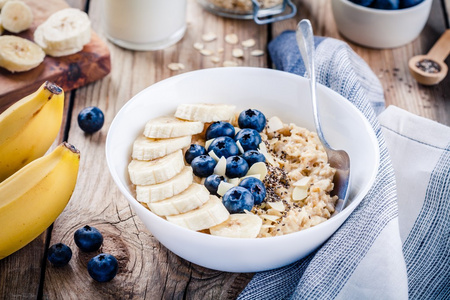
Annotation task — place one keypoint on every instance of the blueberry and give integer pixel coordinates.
(91, 119)
(385, 4)
(88, 238)
(237, 199)
(253, 156)
(203, 165)
(212, 183)
(252, 118)
(193, 151)
(256, 187)
(362, 2)
(236, 167)
(248, 138)
(59, 254)
(409, 3)
(219, 128)
(224, 146)
(103, 267)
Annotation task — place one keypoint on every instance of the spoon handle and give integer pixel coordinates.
(441, 49)
(305, 41)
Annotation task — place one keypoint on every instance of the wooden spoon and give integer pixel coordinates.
(430, 69)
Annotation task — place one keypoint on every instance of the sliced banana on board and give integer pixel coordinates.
(211, 213)
(166, 189)
(1, 26)
(2, 3)
(18, 54)
(65, 32)
(191, 198)
(205, 112)
(156, 171)
(145, 148)
(238, 226)
(170, 127)
(16, 16)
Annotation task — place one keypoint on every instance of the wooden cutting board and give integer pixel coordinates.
(69, 72)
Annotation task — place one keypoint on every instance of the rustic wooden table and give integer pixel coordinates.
(146, 268)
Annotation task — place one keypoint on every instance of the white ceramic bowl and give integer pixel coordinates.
(274, 93)
(379, 28)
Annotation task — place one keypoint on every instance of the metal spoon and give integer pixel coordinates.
(337, 159)
(430, 69)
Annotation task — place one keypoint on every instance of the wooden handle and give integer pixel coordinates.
(441, 49)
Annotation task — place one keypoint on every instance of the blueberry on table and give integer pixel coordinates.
(362, 2)
(385, 4)
(253, 156)
(248, 138)
(224, 146)
(203, 165)
(256, 187)
(219, 128)
(91, 119)
(59, 254)
(252, 118)
(103, 267)
(193, 151)
(88, 238)
(212, 183)
(236, 167)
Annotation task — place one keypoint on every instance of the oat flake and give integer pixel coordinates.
(237, 53)
(206, 52)
(257, 53)
(176, 66)
(215, 59)
(231, 39)
(209, 37)
(248, 43)
(229, 63)
(199, 46)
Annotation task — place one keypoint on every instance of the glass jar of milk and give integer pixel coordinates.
(144, 24)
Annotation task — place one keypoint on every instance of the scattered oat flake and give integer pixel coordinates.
(199, 46)
(206, 52)
(220, 50)
(237, 53)
(231, 39)
(215, 59)
(257, 53)
(209, 37)
(229, 63)
(248, 43)
(176, 66)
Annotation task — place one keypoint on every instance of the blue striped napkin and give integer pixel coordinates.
(395, 245)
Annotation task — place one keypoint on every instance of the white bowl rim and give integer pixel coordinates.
(385, 11)
(242, 241)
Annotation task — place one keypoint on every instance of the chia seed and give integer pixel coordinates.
(428, 66)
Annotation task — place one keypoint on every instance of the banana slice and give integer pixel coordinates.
(145, 148)
(205, 112)
(2, 3)
(191, 198)
(18, 54)
(238, 226)
(166, 189)
(211, 213)
(64, 32)
(16, 16)
(156, 171)
(170, 127)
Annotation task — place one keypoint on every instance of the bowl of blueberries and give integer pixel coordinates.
(381, 24)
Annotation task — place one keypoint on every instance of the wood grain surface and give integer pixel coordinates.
(69, 72)
(147, 270)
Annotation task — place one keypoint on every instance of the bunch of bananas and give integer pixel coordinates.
(34, 189)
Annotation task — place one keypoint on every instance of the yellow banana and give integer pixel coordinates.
(29, 127)
(32, 198)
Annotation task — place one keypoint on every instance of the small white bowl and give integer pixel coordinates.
(274, 93)
(380, 28)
